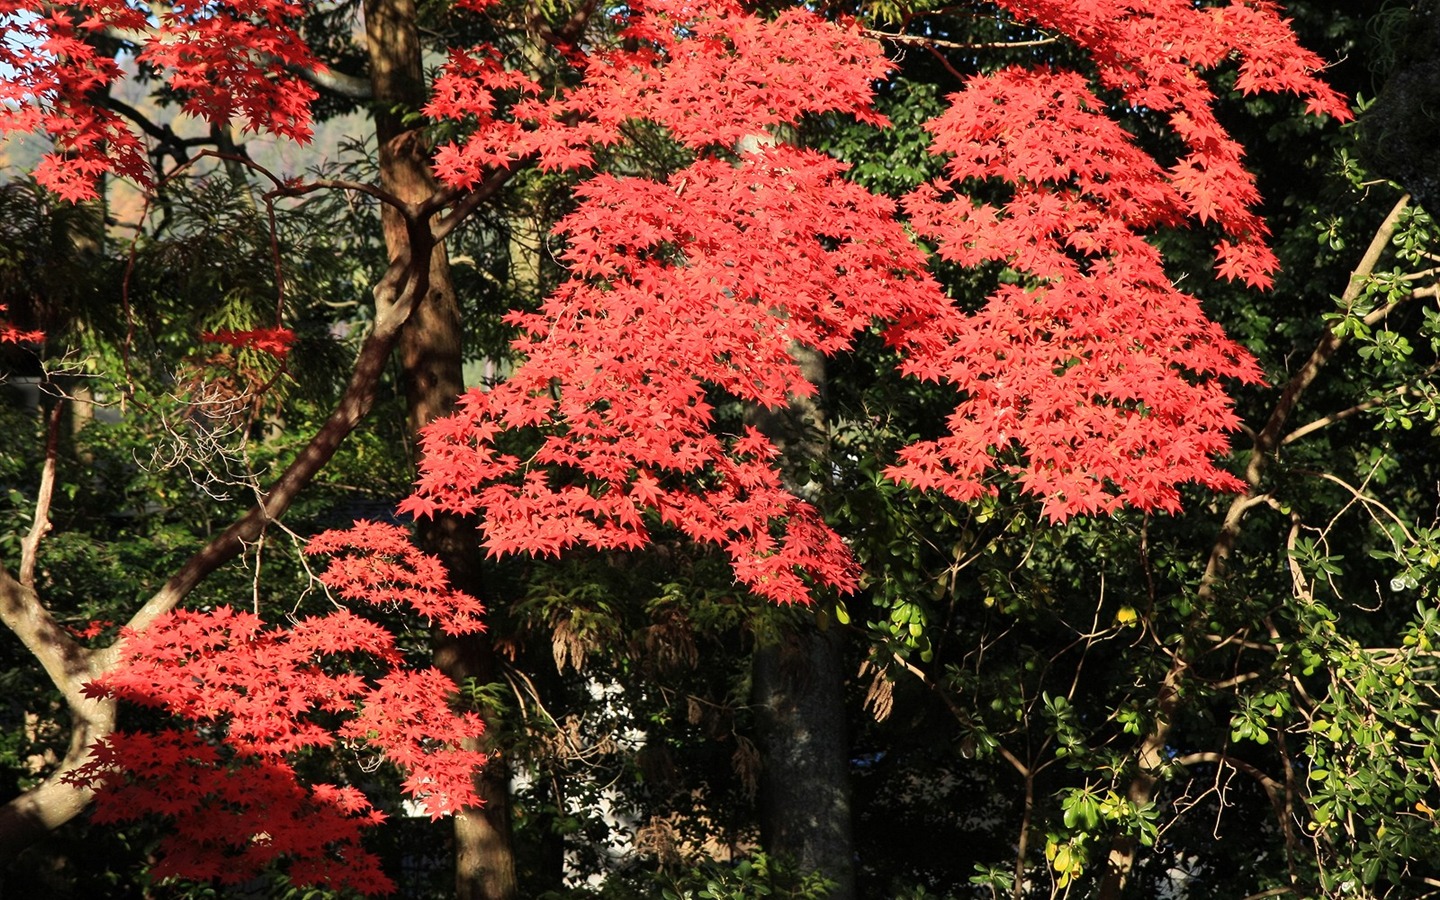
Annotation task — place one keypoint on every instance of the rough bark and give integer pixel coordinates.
(805, 778)
(798, 683)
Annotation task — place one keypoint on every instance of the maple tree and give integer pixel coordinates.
(1088, 377)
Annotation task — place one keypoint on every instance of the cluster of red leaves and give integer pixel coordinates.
(90, 630)
(1095, 381)
(1153, 51)
(1096, 384)
(707, 71)
(225, 59)
(274, 341)
(1099, 371)
(705, 280)
(254, 697)
(377, 564)
(9, 334)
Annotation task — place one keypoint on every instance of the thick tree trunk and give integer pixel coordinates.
(431, 357)
(798, 684)
(805, 779)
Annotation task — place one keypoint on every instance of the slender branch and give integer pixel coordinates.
(30, 546)
(397, 293)
(1272, 785)
(322, 76)
(1235, 681)
(1364, 498)
(941, 58)
(294, 187)
(169, 142)
(301, 188)
(1269, 437)
(463, 206)
(1324, 421)
(953, 45)
(340, 84)
(569, 31)
(1011, 758)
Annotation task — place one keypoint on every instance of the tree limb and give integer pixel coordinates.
(323, 77)
(1269, 439)
(40, 526)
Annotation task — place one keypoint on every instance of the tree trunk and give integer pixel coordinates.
(805, 778)
(798, 684)
(431, 358)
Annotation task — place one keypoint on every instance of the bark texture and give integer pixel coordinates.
(798, 683)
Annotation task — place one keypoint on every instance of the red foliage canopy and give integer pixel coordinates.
(1096, 382)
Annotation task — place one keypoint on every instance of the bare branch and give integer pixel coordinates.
(30, 546)
(1373, 402)
(338, 83)
(1150, 753)
(1269, 437)
(1364, 498)
(322, 76)
(403, 285)
(1271, 785)
(922, 40)
(1236, 681)
(569, 31)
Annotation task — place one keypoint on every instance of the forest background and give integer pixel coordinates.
(1238, 699)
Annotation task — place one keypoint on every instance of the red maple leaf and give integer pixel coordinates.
(274, 341)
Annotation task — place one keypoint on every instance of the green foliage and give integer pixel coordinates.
(748, 879)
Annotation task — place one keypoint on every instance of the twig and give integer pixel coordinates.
(1360, 496)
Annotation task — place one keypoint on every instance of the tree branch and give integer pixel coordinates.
(403, 284)
(340, 84)
(569, 31)
(1150, 753)
(1271, 785)
(40, 526)
(952, 45)
(1324, 421)
(64, 660)
(323, 77)
(396, 295)
(1268, 440)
